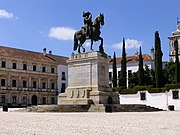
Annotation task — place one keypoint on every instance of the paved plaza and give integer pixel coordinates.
(124, 123)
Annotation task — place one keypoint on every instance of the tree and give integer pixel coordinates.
(132, 79)
(141, 70)
(169, 73)
(177, 77)
(123, 76)
(158, 61)
(149, 76)
(114, 71)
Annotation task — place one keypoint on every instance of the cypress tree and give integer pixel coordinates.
(177, 77)
(123, 76)
(141, 70)
(114, 71)
(158, 61)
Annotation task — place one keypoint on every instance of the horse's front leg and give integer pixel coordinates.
(100, 38)
(79, 51)
(101, 49)
(91, 45)
(83, 48)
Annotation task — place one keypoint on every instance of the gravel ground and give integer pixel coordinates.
(125, 123)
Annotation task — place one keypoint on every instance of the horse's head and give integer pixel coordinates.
(101, 19)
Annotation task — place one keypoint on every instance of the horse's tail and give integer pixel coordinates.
(75, 42)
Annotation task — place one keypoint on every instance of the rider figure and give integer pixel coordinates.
(87, 23)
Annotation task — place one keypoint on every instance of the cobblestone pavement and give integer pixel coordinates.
(124, 123)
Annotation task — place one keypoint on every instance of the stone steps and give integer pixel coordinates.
(91, 108)
(133, 108)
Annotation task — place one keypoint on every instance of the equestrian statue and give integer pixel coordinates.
(90, 30)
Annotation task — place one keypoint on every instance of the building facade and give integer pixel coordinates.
(28, 78)
(175, 36)
(62, 78)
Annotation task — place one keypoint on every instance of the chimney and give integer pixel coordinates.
(137, 55)
(44, 51)
(50, 52)
(152, 53)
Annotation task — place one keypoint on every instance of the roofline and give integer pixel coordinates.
(31, 51)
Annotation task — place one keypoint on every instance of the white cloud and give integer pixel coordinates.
(5, 14)
(61, 33)
(129, 44)
(88, 44)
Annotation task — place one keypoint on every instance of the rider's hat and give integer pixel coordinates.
(86, 13)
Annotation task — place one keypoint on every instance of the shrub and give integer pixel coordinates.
(128, 91)
(121, 90)
(172, 86)
(157, 90)
(139, 88)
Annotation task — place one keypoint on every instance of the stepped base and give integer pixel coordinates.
(94, 97)
(90, 108)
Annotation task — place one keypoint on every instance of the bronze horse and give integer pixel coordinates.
(94, 35)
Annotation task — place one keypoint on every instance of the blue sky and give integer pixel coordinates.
(37, 24)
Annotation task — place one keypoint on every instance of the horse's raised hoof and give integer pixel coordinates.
(83, 49)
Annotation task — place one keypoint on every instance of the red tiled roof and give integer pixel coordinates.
(61, 60)
(133, 59)
(31, 56)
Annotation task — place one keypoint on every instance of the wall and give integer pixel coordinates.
(62, 68)
(158, 100)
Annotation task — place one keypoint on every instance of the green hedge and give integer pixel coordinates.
(139, 88)
(157, 90)
(172, 86)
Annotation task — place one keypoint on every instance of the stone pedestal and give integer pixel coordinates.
(88, 80)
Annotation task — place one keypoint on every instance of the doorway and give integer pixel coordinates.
(34, 100)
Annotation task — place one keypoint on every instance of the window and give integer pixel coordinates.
(143, 96)
(14, 66)
(34, 67)
(34, 84)
(110, 75)
(44, 100)
(3, 64)
(24, 84)
(3, 82)
(52, 86)
(52, 70)
(63, 87)
(63, 76)
(13, 83)
(24, 66)
(13, 99)
(3, 98)
(52, 100)
(24, 99)
(43, 85)
(175, 94)
(43, 69)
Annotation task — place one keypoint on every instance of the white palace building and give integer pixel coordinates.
(30, 78)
